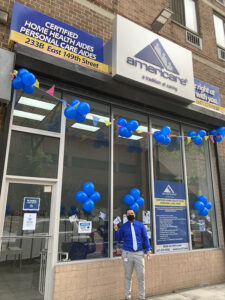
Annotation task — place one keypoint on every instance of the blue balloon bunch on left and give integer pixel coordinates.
(24, 80)
(88, 196)
(134, 200)
(162, 135)
(77, 110)
(203, 205)
(126, 128)
(217, 134)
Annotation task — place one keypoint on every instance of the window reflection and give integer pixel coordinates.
(200, 183)
(86, 159)
(131, 170)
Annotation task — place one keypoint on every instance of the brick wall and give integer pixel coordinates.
(164, 273)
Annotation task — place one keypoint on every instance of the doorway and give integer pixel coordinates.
(26, 241)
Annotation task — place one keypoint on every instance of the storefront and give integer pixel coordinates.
(45, 251)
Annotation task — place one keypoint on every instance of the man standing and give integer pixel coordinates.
(133, 234)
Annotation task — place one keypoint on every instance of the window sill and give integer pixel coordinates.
(186, 28)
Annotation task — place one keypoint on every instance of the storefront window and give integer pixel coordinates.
(86, 160)
(39, 111)
(33, 155)
(131, 170)
(203, 228)
(169, 191)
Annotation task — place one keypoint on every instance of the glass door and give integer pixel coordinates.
(25, 242)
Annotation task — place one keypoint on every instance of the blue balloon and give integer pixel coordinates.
(135, 193)
(140, 201)
(202, 133)
(161, 138)
(74, 102)
(122, 122)
(204, 212)
(221, 131)
(132, 125)
(128, 199)
(21, 72)
(218, 138)
(165, 130)
(208, 205)
(203, 199)
(28, 89)
(83, 108)
(128, 134)
(135, 207)
(95, 197)
(73, 208)
(167, 141)
(197, 140)
(17, 83)
(199, 205)
(88, 205)
(191, 133)
(88, 188)
(28, 79)
(70, 112)
(156, 133)
(79, 118)
(213, 132)
(81, 196)
(123, 131)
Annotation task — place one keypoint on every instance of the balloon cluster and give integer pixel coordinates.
(197, 138)
(203, 205)
(73, 211)
(134, 200)
(162, 135)
(134, 146)
(101, 141)
(62, 210)
(77, 110)
(217, 134)
(126, 128)
(24, 80)
(88, 196)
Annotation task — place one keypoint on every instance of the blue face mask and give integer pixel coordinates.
(130, 218)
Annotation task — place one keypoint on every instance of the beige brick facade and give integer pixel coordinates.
(103, 279)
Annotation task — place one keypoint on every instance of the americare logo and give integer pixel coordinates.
(156, 55)
(169, 191)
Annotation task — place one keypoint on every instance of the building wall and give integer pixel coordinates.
(164, 273)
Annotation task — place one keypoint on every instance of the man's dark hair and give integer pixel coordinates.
(129, 209)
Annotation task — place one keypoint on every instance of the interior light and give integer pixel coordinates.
(85, 127)
(133, 137)
(36, 103)
(27, 115)
(99, 118)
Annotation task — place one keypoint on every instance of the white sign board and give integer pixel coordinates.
(146, 58)
(29, 221)
(85, 227)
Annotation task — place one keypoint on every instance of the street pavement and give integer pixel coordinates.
(210, 292)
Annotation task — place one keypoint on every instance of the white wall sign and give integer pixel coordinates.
(146, 58)
(29, 221)
(84, 227)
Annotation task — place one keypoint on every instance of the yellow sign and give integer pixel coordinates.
(56, 51)
(210, 105)
(170, 202)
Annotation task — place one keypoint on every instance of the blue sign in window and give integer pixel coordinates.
(31, 204)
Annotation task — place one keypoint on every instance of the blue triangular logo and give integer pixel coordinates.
(147, 54)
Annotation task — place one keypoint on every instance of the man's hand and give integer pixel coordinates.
(148, 254)
(115, 227)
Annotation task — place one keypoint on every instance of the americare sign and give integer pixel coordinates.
(146, 58)
(43, 33)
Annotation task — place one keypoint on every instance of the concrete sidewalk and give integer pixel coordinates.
(210, 292)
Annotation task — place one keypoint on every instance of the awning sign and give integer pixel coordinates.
(46, 34)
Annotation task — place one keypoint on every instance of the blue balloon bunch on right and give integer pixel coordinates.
(24, 80)
(134, 200)
(162, 135)
(217, 134)
(197, 138)
(126, 128)
(88, 196)
(203, 205)
(77, 110)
